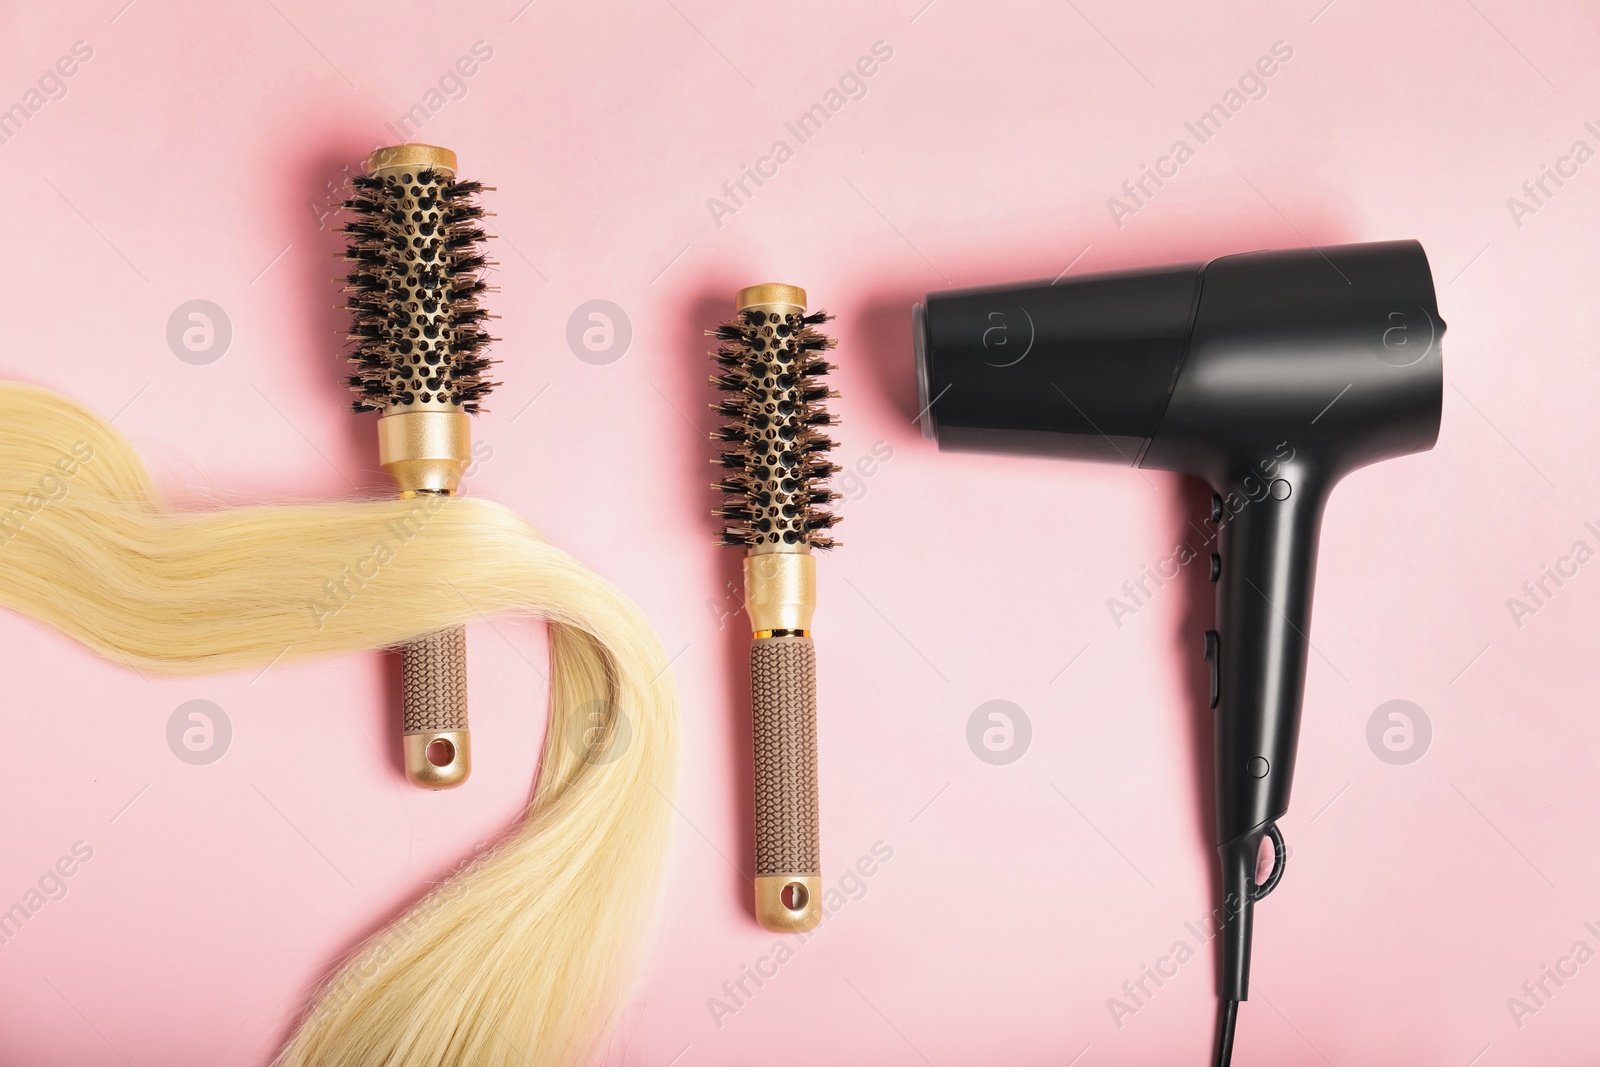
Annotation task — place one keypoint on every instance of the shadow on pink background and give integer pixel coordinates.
(189, 158)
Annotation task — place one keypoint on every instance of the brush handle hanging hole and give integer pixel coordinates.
(795, 896)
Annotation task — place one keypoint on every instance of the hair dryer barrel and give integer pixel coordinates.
(1262, 342)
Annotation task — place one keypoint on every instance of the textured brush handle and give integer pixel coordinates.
(783, 696)
(433, 702)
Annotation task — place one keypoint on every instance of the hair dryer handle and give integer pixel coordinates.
(1268, 548)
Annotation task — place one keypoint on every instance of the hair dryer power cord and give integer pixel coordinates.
(1237, 948)
(1227, 1016)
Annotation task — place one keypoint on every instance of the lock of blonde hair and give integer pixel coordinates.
(523, 957)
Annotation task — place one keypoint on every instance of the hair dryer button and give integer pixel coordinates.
(1257, 767)
(1212, 657)
(1216, 508)
(1216, 566)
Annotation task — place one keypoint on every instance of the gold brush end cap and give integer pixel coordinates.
(797, 915)
(770, 293)
(410, 157)
(438, 759)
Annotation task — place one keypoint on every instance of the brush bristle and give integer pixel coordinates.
(773, 450)
(416, 262)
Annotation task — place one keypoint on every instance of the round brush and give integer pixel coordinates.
(415, 254)
(774, 469)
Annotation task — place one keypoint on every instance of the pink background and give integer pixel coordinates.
(189, 159)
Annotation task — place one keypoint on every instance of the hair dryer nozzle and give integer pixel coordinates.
(919, 347)
(1081, 369)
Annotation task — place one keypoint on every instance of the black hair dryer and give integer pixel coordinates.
(1271, 375)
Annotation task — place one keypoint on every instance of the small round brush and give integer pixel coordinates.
(774, 470)
(416, 261)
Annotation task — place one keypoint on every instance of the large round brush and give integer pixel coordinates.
(774, 468)
(416, 262)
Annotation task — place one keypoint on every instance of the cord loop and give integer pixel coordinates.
(1280, 856)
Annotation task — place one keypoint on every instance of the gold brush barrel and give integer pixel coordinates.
(426, 446)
